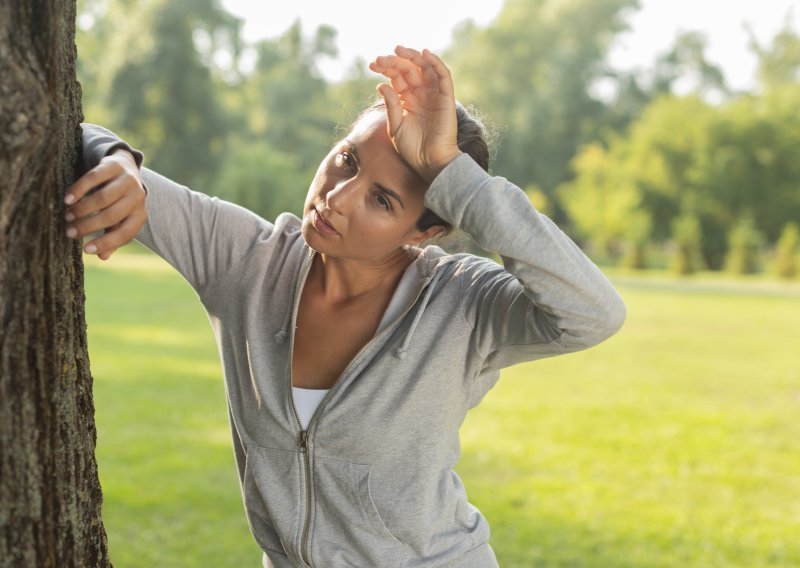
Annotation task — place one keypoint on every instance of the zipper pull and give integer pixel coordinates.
(303, 441)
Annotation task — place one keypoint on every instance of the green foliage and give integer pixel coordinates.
(539, 200)
(683, 63)
(164, 92)
(786, 262)
(263, 180)
(542, 57)
(744, 247)
(684, 154)
(603, 205)
(289, 98)
(779, 62)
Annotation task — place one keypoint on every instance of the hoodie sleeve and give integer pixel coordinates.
(202, 237)
(548, 298)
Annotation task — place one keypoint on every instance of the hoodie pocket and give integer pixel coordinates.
(348, 530)
(270, 488)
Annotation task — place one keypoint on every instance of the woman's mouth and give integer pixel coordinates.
(321, 225)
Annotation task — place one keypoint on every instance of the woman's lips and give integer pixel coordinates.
(322, 226)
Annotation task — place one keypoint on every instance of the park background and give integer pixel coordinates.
(673, 444)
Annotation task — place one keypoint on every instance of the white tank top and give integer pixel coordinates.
(306, 402)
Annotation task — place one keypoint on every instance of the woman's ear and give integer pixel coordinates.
(427, 234)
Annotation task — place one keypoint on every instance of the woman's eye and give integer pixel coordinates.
(347, 161)
(382, 202)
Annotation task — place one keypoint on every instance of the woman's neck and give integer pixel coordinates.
(341, 280)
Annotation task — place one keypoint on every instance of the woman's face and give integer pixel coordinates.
(364, 201)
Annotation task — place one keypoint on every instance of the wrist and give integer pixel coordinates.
(124, 154)
(433, 169)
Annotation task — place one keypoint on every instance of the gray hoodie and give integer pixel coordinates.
(371, 481)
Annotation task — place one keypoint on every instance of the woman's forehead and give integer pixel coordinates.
(372, 124)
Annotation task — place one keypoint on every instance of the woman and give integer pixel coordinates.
(350, 355)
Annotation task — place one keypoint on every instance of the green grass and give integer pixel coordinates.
(674, 444)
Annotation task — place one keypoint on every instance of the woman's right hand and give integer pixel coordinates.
(116, 206)
(420, 109)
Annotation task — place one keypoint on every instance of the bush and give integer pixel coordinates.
(785, 265)
(686, 234)
(744, 244)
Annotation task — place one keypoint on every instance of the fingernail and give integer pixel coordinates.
(69, 217)
(71, 232)
(69, 199)
(91, 249)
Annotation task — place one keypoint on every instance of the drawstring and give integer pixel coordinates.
(283, 333)
(431, 283)
(280, 337)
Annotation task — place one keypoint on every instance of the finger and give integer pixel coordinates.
(105, 245)
(409, 69)
(404, 75)
(106, 255)
(96, 177)
(394, 110)
(104, 219)
(445, 79)
(428, 74)
(395, 76)
(98, 200)
(411, 55)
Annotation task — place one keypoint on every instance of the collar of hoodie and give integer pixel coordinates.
(428, 270)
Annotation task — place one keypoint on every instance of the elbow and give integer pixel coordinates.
(613, 317)
(617, 315)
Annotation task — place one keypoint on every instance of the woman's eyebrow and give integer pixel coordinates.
(351, 147)
(390, 193)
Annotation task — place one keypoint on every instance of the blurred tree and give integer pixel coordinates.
(288, 97)
(632, 191)
(157, 79)
(682, 69)
(263, 179)
(744, 247)
(778, 62)
(751, 162)
(684, 154)
(786, 263)
(686, 258)
(539, 57)
(603, 201)
(353, 94)
(166, 95)
(287, 116)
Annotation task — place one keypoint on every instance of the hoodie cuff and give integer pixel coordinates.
(99, 143)
(455, 186)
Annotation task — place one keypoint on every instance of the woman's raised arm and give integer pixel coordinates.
(202, 237)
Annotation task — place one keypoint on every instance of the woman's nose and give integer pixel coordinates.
(341, 197)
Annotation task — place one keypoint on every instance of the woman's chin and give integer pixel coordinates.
(312, 238)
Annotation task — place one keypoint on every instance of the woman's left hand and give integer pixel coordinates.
(420, 109)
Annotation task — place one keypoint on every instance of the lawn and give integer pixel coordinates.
(674, 444)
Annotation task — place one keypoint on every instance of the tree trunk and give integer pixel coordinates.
(49, 490)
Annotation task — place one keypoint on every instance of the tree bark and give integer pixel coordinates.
(50, 495)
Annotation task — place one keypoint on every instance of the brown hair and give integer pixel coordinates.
(471, 139)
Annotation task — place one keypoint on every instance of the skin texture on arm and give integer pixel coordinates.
(116, 206)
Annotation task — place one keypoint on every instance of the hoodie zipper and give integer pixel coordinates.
(303, 437)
